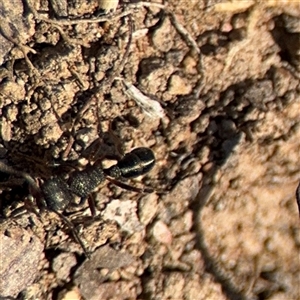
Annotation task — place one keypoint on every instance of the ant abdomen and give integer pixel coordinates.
(135, 163)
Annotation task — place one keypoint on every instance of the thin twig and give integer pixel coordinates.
(183, 32)
(69, 40)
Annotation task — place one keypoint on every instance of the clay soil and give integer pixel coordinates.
(221, 81)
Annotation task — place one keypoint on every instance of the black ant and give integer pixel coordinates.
(56, 193)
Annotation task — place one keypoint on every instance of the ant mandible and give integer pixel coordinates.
(56, 193)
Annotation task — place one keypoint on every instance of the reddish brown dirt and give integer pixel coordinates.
(223, 221)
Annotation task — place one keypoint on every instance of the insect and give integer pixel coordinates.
(56, 193)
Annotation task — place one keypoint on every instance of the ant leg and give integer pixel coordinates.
(130, 187)
(68, 149)
(35, 192)
(11, 183)
(298, 197)
(27, 207)
(116, 141)
(92, 205)
(9, 170)
(85, 107)
(39, 162)
(82, 201)
(74, 232)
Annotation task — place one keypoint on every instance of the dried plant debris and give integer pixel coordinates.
(108, 5)
(149, 106)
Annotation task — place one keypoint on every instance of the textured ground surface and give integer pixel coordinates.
(226, 140)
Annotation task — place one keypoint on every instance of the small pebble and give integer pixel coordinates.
(162, 233)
